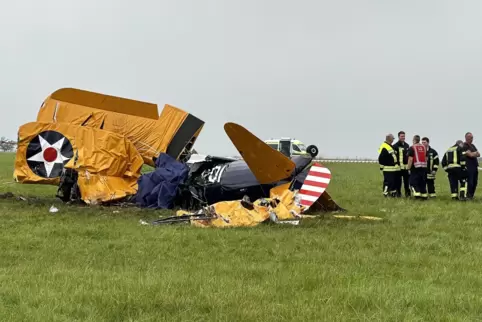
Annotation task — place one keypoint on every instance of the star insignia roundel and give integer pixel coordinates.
(47, 154)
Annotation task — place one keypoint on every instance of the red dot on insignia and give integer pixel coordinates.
(50, 154)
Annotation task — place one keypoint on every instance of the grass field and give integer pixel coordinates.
(422, 262)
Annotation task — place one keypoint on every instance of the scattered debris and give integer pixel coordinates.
(357, 217)
(6, 195)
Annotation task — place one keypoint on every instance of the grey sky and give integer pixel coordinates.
(338, 74)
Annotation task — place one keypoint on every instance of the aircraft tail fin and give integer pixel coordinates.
(267, 164)
(313, 194)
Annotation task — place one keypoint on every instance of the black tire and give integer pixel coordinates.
(312, 150)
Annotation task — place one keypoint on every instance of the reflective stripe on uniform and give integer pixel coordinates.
(450, 166)
(391, 168)
(455, 162)
(386, 146)
(432, 161)
(463, 191)
(400, 158)
(393, 156)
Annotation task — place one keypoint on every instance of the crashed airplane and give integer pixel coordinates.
(261, 169)
(93, 147)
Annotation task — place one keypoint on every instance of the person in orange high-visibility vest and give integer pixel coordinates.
(417, 165)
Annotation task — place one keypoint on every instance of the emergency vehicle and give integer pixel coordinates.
(289, 147)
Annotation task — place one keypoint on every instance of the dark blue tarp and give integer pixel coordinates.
(158, 189)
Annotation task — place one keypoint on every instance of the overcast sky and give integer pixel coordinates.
(338, 74)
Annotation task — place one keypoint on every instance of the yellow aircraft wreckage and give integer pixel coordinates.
(101, 140)
(93, 146)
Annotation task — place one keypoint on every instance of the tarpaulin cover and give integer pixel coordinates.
(169, 134)
(108, 165)
(158, 188)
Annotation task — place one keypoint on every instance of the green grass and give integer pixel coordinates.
(422, 262)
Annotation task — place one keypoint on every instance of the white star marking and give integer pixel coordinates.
(39, 157)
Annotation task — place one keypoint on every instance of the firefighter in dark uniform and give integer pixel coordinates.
(388, 160)
(401, 148)
(471, 155)
(417, 165)
(454, 163)
(433, 162)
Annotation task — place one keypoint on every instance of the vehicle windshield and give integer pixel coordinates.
(302, 147)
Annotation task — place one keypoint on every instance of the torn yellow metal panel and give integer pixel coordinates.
(286, 207)
(106, 102)
(267, 164)
(279, 190)
(107, 163)
(171, 133)
(234, 214)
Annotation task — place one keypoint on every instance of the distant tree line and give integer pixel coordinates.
(7, 145)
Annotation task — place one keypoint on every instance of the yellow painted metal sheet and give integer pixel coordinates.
(107, 163)
(168, 134)
(106, 102)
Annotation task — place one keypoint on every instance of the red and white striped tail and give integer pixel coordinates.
(314, 185)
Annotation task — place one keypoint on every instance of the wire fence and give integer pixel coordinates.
(346, 161)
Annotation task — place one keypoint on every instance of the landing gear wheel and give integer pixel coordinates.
(312, 150)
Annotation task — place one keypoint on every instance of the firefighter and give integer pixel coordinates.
(387, 158)
(454, 163)
(417, 165)
(432, 167)
(401, 147)
(472, 156)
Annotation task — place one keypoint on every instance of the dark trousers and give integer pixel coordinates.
(390, 183)
(457, 176)
(418, 183)
(404, 176)
(431, 187)
(472, 180)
